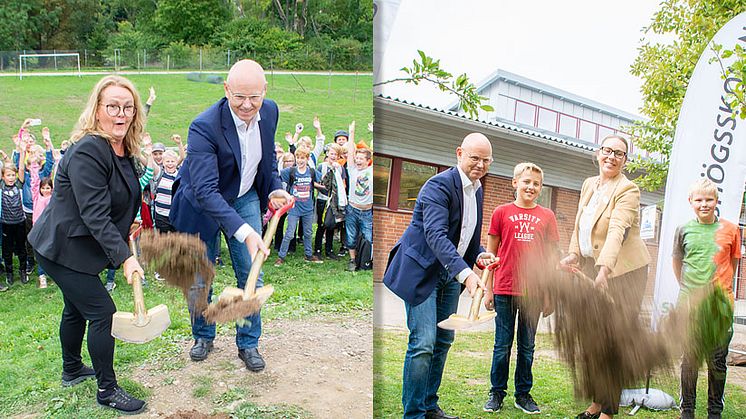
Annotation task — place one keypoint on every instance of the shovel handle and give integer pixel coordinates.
(140, 312)
(259, 256)
(476, 302)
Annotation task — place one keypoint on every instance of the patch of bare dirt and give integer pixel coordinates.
(322, 365)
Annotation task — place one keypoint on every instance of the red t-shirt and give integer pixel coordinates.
(523, 232)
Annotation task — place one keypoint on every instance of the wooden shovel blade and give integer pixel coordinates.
(458, 322)
(125, 326)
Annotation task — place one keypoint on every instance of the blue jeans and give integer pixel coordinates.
(506, 307)
(292, 221)
(428, 346)
(247, 335)
(358, 221)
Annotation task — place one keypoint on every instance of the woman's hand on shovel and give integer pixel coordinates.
(130, 266)
(472, 282)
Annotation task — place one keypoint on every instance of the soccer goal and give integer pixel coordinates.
(58, 61)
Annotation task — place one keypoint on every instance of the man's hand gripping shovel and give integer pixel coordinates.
(458, 322)
(236, 303)
(143, 325)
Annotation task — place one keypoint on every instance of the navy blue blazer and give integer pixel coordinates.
(209, 180)
(429, 244)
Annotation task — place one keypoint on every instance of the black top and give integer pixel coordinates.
(95, 200)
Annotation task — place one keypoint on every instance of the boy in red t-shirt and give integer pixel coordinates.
(520, 229)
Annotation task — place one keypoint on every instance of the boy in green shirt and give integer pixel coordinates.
(706, 251)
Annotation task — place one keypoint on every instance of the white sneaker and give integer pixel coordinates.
(158, 277)
(110, 286)
(42, 281)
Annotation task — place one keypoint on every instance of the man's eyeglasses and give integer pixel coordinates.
(113, 110)
(240, 98)
(476, 159)
(607, 151)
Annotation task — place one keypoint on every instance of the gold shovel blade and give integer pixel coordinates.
(126, 327)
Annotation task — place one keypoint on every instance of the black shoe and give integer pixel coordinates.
(342, 251)
(201, 348)
(70, 379)
(332, 256)
(495, 403)
(3, 287)
(9, 278)
(527, 404)
(438, 413)
(687, 414)
(252, 359)
(24, 277)
(120, 400)
(588, 415)
(29, 270)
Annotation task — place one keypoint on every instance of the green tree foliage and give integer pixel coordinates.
(686, 26)
(428, 69)
(191, 21)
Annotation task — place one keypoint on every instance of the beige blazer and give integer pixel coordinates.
(615, 236)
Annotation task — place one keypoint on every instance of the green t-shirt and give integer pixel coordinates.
(706, 252)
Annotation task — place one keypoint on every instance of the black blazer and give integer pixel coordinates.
(86, 225)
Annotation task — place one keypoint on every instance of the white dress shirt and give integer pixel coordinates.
(250, 141)
(468, 220)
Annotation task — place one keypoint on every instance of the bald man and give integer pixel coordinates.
(228, 179)
(431, 263)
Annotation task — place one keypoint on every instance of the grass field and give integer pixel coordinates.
(58, 101)
(29, 317)
(466, 381)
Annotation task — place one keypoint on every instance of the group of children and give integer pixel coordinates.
(336, 193)
(706, 252)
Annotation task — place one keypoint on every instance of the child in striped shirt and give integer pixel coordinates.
(163, 192)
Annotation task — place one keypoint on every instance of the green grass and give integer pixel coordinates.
(58, 101)
(466, 381)
(29, 317)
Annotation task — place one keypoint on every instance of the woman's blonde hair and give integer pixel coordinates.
(88, 124)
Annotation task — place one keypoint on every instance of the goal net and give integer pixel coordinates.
(58, 62)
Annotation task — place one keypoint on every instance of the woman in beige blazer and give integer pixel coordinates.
(606, 245)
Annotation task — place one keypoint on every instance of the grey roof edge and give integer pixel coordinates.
(556, 92)
(578, 146)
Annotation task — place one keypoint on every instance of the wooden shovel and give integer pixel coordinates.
(143, 325)
(236, 303)
(458, 322)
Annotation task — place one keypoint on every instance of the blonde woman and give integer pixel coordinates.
(606, 245)
(84, 230)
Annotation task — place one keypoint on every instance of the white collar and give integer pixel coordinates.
(240, 122)
(465, 181)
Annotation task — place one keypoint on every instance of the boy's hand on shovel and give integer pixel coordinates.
(278, 198)
(130, 266)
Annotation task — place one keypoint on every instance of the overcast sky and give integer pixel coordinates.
(583, 46)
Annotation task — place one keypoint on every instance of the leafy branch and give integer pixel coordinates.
(737, 71)
(428, 69)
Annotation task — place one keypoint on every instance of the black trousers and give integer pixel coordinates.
(29, 250)
(14, 242)
(86, 300)
(162, 224)
(321, 232)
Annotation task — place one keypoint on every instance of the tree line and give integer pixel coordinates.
(293, 34)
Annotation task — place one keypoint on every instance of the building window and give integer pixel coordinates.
(545, 197)
(604, 132)
(525, 113)
(547, 120)
(568, 125)
(413, 176)
(587, 131)
(381, 179)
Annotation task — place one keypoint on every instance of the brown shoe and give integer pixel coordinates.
(314, 259)
(279, 261)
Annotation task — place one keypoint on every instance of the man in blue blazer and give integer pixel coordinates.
(429, 264)
(227, 180)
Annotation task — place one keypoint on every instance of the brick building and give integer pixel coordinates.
(532, 122)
